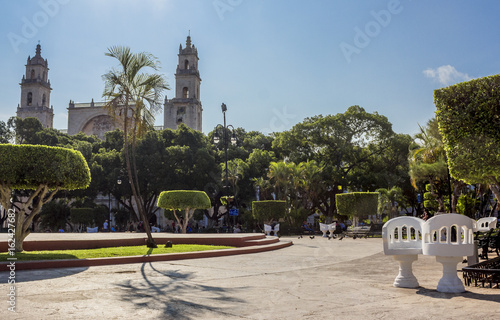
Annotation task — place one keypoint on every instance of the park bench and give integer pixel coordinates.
(325, 228)
(364, 231)
(268, 229)
(484, 232)
(357, 232)
(449, 237)
(402, 238)
(486, 224)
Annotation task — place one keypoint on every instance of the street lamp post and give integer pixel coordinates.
(225, 142)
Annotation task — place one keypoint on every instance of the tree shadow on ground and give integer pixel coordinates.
(467, 294)
(177, 294)
(42, 274)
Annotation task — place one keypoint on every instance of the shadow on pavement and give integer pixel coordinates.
(169, 291)
(467, 294)
(42, 274)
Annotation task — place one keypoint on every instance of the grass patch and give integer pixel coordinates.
(107, 252)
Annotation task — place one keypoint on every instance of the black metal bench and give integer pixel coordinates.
(486, 272)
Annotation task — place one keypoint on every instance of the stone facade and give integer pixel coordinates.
(186, 106)
(92, 119)
(35, 91)
(89, 118)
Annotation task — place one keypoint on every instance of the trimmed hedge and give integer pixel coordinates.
(468, 115)
(357, 204)
(430, 201)
(82, 216)
(28, 166)
(184, 199)
(268, 209)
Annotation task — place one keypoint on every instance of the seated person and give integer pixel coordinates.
(306, 228)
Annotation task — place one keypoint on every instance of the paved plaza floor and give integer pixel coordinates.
(313, 279)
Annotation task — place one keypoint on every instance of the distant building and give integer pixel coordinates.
(89, 118)
(35, 91)
(186, 106)
(92, 119)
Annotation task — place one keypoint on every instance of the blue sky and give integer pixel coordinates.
(272, 62)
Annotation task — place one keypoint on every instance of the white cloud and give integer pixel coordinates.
(446, 75)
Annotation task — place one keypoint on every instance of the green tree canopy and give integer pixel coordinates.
(187, 200)
(468, 114)
(267, 210)
(344, 145)
(42, 169)
(357, 204)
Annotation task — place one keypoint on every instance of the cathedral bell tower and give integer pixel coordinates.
(186, 106)
(35, 91)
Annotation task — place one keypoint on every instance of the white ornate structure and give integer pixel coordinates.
(35, 91)
(486, 224)
(403, 239)
(449, 237)
(325, 228)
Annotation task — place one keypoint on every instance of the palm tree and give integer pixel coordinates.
(390, 200)
(237, 169)
(428, 162)
(263, 187)
(134, 97)
(312, 182)
(279, 173)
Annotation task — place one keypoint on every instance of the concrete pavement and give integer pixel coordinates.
(314, 278)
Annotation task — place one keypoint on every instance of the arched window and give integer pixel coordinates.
(185, 92)
(32, 74)
(30, 98)
(186, 64)
(43, 100)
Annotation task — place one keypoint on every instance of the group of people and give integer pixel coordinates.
(107, 228)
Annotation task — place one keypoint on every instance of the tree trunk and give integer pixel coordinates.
(457, 185)
(495, 188)
(439, 198)
(23, 219)
(150, 243)
(20, 234)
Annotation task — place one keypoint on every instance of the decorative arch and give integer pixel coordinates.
(186, 64)
(30, 99)
(32, 74)
(99, 125)
(185, 92)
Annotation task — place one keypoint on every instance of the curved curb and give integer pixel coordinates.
(46, 264)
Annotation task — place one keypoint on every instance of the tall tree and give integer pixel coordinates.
(390, 201)
(428, 161)
(134, 97)
(341, 143)
(468, 115)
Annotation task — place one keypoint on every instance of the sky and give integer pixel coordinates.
(272, 62)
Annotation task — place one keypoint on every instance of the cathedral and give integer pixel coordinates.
(91, 118)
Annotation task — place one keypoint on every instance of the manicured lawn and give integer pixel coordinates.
(107, 252)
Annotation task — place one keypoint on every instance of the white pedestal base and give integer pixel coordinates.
(450, 282)
(405, 278)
